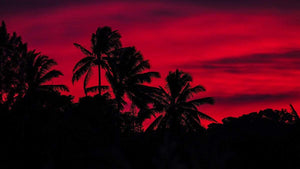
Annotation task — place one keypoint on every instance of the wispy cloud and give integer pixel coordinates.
(288, 62)
(13, 6)
(246, 99)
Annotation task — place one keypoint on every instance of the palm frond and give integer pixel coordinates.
(145, 77)
(113, 81)
(50, 75)
(165, 93)
(176, 81)
(201, 101)
(154, 124)
(83, 61)
(87, 78)
(96, 89)
(46, 66)
(188, 92)
(38, 60)
(54, 87)
(83, 50)
(294, 113)
(146, 94)
(184, 94)
(194, 123)
(206, 117)
(140, 67)
(200, 114)
(81, 71)
(41, 64)
(197, 89)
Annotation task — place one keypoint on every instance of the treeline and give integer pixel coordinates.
(42, 128)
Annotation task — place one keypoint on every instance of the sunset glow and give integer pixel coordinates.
(247, 55)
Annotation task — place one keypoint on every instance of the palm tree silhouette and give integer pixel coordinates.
(177, 105)
(125, 73)
(103, 41)
(38, 72)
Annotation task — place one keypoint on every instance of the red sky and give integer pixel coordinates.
(247, 55)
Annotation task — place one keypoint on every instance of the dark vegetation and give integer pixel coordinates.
(42, 128)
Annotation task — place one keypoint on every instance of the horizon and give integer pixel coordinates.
(247, 56)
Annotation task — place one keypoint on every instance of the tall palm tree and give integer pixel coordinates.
(176, 105)
(38, 72)
(103, 41)
(126, 75)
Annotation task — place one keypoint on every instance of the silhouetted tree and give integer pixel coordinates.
(22, 72)
(103, 41)
(90, 134)
(96, 113)
(176, 104)
(34, 106)
(38, 71)
(126, 74)
(266, 139)
(12, 54)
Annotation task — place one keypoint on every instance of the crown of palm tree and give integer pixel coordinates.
(126, 74)
(38, 71)
(103, 42)
(176, 104)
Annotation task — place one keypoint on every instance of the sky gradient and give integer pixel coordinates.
(247, 55)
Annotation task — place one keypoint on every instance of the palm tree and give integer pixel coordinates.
(38, 72)
(176, 104)
(103, 41)
(126, 75)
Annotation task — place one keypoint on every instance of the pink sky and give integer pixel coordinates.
(246, 55)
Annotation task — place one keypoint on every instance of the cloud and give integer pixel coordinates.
(15, 6)
(286, 4)
(254, 63)
(244, 99)
(256, 4)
